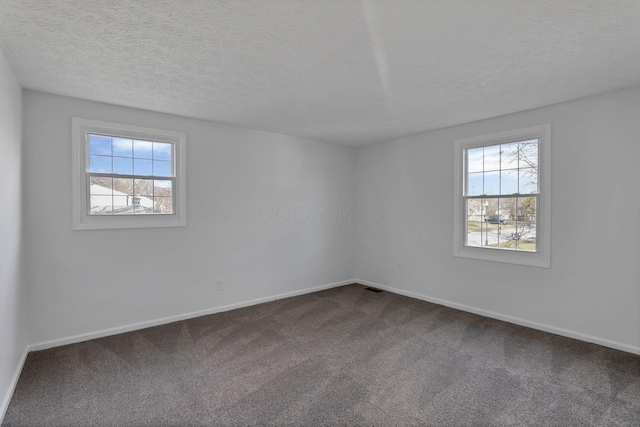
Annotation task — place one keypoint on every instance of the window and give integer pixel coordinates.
(501, 205)
(127, 176)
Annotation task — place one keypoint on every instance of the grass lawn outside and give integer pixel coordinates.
(511, 244)
(477, 226)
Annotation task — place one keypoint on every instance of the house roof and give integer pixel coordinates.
(103, 200)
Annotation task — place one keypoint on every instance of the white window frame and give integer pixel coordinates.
(81, 127)
(542, 256)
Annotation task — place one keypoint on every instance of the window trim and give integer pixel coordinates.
(540, 258)
(81, 219)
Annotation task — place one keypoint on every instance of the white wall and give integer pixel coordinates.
(592, 290)
(86, 281)
(13, 309)
(244, 184)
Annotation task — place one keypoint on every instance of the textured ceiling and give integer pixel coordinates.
(352, 72)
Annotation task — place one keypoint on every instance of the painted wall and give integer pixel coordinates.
(265, 215)
(271, 214)
(13, 309)
(593, 287)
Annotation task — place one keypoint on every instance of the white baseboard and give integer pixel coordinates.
(12, 386)
(510, 319)
(162, 321)
(481, 312)
(150, 323)
(156, 322)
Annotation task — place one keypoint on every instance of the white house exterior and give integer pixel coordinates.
(107, 201)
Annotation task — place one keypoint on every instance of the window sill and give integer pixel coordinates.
(531, 259)
(112, 222)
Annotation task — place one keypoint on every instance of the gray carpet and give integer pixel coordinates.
(345, 356)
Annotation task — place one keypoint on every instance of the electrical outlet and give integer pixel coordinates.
(220, 285)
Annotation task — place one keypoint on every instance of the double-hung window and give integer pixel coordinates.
(127, 176)
(502, 209)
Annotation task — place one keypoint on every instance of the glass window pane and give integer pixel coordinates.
(161, 168)
(527, 209)
(492, 183)
(122, 204)
(505, 223)
(163, 187)
(506, 209)
(504, 217)
(482, 227)
(529, 154)
(501, 190)
(123, 166)
(101, 204)
(492, 158)
(100, 185)
(509, 155)
(100, 190)
(143, 187)
(163, 205)
(162, 151)
(491, 208)
(141, 209)
(526, 225)
(483, 231)
(493, 222)
(142, 167)
(509, 181)
(476, 213)
(99, 144)
(122, 147)
(474, 159)
(100, 164)
(123, 186)
(528, 181)
(142, 149)
(474, 184)
(491, 234)
(516, 219)
(143, 205)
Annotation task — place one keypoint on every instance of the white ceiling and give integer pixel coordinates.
(353, 72)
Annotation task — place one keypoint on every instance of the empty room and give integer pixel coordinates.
(305, 213)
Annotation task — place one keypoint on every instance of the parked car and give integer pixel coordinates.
(495, 220)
